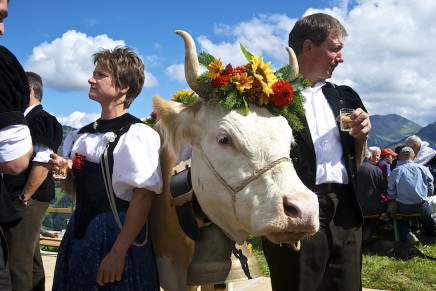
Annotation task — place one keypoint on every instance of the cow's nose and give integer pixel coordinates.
(290, 208)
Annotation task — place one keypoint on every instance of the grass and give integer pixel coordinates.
(385, 273)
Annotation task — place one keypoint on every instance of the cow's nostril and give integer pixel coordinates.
(290, 208)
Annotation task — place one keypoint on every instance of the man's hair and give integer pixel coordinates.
(35, 82)
(317, 28)
(126, 68)
(412, 141)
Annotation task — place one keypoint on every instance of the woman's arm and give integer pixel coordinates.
(112, 265)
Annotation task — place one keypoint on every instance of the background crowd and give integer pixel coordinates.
(399, 181)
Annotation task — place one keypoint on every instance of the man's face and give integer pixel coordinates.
(388, 158)
(326, 57)
(3, 15)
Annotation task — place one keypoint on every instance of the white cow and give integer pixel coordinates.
(241, 175)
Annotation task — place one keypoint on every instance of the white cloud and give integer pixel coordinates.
(65, 64)
(78, 119)
(389, 58)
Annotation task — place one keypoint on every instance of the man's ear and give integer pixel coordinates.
(307, 46)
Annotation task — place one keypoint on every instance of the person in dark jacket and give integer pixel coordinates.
(326, 160)
(371, 185)
(15, 139)
(31, 193)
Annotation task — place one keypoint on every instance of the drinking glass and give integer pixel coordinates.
(345, 118)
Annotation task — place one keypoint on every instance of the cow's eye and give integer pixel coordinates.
(224, 139)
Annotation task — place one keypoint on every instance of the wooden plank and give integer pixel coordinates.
(50, 241)
(60, 209)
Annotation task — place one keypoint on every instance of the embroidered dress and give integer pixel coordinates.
(92, 229)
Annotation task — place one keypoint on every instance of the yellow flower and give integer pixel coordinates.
(243, 81)
(264, 74)
(215, 68)
(250, 248)
(263, 99)
(180, 93)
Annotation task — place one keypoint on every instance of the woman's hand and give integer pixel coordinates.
(59, 166)
(111, 267)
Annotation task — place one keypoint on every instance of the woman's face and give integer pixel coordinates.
(102, 87)
(375, 157)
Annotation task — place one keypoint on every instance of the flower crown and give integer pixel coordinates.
(255, 82)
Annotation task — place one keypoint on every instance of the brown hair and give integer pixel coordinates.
(317, 28)
(35, 82)
(127, 70)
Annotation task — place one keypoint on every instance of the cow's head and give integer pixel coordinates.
(241, 173)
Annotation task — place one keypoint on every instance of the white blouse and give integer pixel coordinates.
(136, 157)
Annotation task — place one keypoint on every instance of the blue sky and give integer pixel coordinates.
(389, 54)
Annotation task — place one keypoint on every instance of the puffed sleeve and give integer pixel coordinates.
(136, 162)
(46, 130)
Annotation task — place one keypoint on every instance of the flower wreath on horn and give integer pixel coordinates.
(183, 96)
(255, 82)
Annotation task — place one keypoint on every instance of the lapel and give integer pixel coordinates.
(333, 97)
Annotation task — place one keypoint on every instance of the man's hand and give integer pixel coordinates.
(360, 124)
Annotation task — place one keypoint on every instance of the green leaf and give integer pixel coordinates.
(246, 53)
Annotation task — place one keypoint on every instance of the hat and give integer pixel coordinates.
(406, 151)
(388, 151)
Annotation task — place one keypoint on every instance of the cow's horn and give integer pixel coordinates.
(191, 62)
(293, 63)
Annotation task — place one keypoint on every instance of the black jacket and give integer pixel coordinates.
(46, 130)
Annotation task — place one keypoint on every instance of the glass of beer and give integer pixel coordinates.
(345, 118)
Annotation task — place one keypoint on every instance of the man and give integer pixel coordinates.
(422, 149)
(387, 156)
(31, 193)
(370, 188)
(15, 140)
(326, 160)
(410, 185)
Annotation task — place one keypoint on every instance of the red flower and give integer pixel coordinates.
(283, 93)
(78, 161)
(229, 69)
(154, 115)
(221, 80)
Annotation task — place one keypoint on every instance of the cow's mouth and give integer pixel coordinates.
(287, 237)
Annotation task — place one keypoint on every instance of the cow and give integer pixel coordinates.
(240, 172)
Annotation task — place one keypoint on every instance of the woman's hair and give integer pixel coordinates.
(317, 28)
(126, 68)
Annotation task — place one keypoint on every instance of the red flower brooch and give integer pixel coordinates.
(78, 161)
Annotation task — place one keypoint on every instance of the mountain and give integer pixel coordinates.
(391, 130)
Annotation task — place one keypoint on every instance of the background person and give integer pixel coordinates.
(370, 188)
(387, 156)
(326, 160)
(94, 250)
(32, 192)
(15, 139)
(422, 149)
(410, 185)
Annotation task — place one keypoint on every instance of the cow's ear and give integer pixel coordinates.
(176, 122)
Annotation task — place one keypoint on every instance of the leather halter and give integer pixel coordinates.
(242, 184)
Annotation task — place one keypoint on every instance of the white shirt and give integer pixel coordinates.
(330, 164)
(425, 154)
(15, 142)
(136, 158)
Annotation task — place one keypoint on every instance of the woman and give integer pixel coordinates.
(121, 151)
